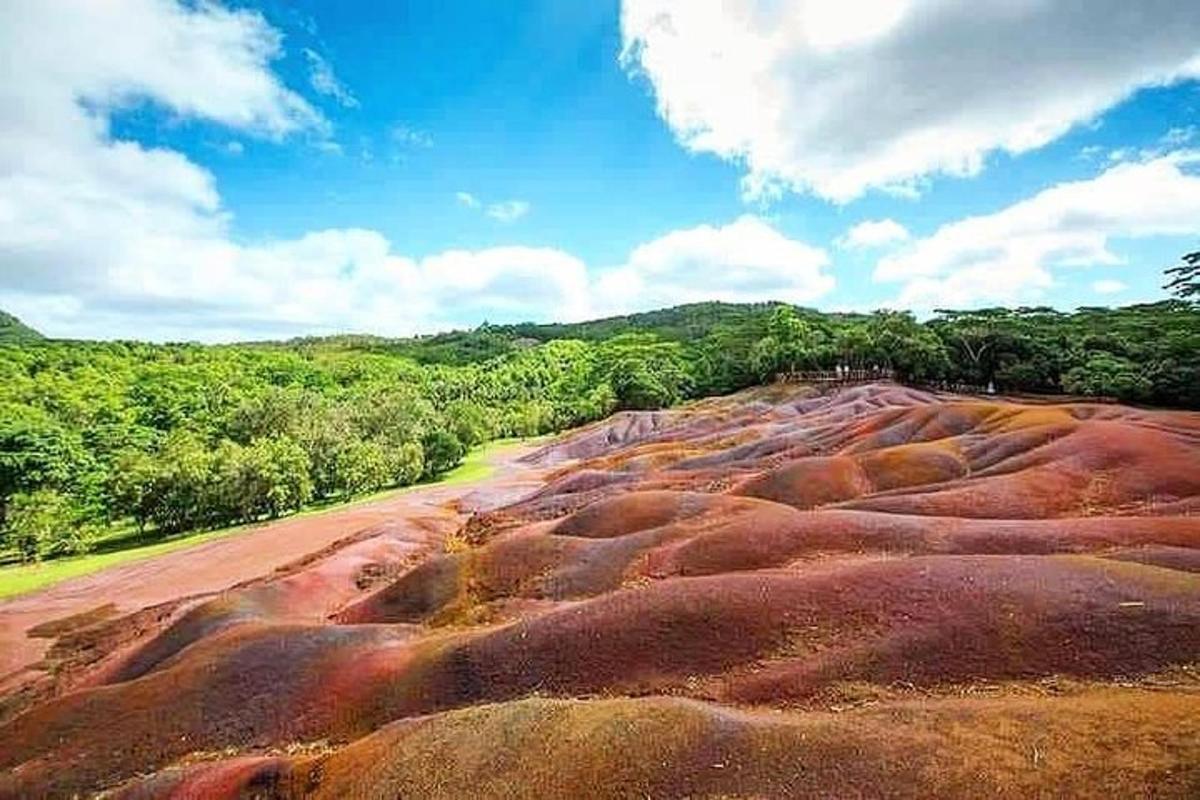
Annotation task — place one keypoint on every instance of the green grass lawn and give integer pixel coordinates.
(124, 545)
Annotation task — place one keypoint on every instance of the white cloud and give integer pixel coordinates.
(325, 82)
(1178, 137)
(842, 97)
(1108, 286)
(203, 62)
(234, 148)
(516, 283)
(1010, 256)
(872, 234)
(100, 236)
(406, 136)
(74, 202)
(744, 261)
(508, 211)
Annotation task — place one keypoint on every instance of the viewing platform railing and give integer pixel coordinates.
(846, 375)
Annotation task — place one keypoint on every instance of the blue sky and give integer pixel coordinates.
(508, 100)
(274, 168)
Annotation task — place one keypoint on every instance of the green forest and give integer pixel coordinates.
(163, 439)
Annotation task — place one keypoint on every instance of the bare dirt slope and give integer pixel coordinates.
(370, 539)
(873, 593)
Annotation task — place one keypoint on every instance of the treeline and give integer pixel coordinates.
(169, 438)
(1144, 353)
(1140, 354)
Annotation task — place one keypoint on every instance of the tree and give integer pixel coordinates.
(793, 342)
(274, 411)
(406, 463)
(1186, 281)
(35, 452)
(43, 524)
(469, 422)
(134, 481)
(183, 484)
(854, 346)
(442, 451)
(393, 413)
(326, 434)
(529, 418)
(637, 387)
(269, 477)
(1108, 375)
(643, 371)
(900, 343)
(365, 467)
(975, 337)
(281, 465)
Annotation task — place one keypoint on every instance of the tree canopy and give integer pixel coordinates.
(179, 437)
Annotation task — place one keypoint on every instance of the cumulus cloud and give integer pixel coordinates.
(466, 199)
(1010, 256)
(872, 234)
(508, 211)
(325, 82)
(104, 236)
(747, 260)
(512, 283)
(838, 98)
(204, 62)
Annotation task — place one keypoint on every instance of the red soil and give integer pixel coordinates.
(1007, 595)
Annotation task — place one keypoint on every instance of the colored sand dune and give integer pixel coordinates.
(877, 592)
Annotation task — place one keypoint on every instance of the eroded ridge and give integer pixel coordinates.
(876, 592)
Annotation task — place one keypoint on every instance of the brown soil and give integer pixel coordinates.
(873, 593)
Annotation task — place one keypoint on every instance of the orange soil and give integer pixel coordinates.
(879, 592)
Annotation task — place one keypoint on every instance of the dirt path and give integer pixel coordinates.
(219, 564)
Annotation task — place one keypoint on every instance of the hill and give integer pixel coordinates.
(684, 323)
(13, 331)
(1133, 353)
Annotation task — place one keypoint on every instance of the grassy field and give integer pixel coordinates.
(124, 546)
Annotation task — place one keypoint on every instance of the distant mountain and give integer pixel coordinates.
(13, 330)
